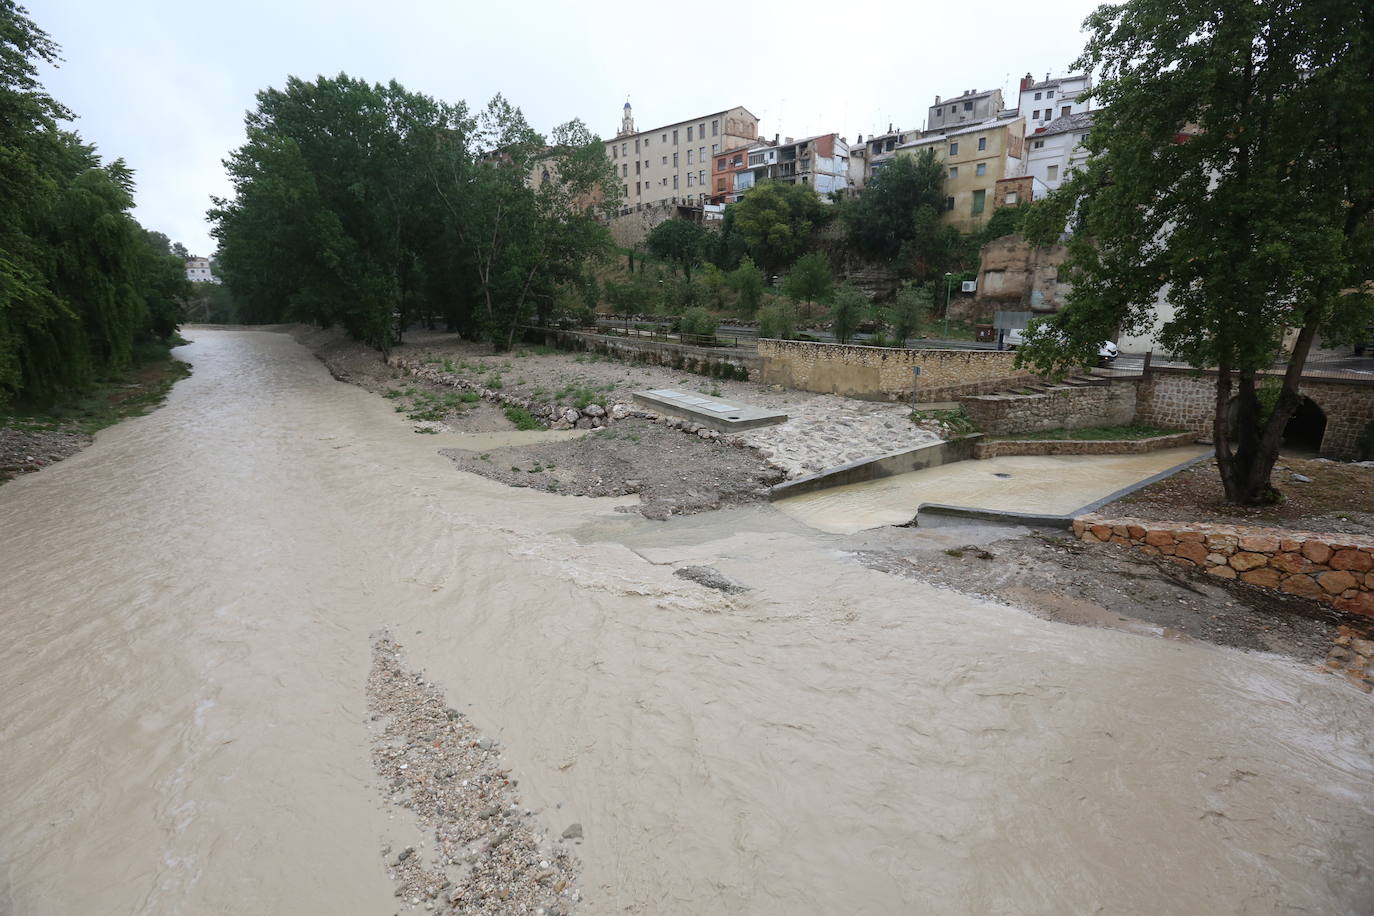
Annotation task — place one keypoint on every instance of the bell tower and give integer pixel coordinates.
(627, 121)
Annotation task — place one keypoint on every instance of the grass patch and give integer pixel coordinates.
(955, 422)
(132, 393)
(522, 418)
(1096, 433)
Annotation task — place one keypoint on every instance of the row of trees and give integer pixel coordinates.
(372, 206)
(82, 285)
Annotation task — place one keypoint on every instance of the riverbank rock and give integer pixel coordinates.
(710, 577)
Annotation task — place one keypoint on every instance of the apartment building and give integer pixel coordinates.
(672, 164)
(1057, 149)
(975, 158)
(972, 106)
(1042, 102)
(821, 162)
(725, 168)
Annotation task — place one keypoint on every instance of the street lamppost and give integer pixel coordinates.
(948, 280)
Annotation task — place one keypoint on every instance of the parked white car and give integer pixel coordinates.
(1016, 337)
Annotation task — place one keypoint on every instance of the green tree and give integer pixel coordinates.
(1223, 176)
(895, 207)
(809, 280)
(680, 242)
(747, 282)
(714, 284)
(686, 294)
(775, 220)
(847, 311)
(908, 312)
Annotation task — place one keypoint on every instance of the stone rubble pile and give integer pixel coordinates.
(826, 436)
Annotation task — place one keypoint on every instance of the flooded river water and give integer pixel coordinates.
(187, 608)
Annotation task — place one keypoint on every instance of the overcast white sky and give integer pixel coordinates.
(166, 84)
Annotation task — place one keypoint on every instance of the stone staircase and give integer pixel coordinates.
(1074, 402)
(1042, 387)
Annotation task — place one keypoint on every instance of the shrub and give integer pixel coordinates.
(778, 321)
(747, 282)
(697, 321)
(522, 418)
(847, 311)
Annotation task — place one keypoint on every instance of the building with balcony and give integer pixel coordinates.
(820, 162)
(672, 164)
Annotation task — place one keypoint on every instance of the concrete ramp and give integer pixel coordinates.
(713, 413)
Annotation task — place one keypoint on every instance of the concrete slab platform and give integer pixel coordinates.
(713, 413)
(1032, 484)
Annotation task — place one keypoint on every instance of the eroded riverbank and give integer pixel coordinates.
(187, 727)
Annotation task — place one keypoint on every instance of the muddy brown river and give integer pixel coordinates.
(187, 609)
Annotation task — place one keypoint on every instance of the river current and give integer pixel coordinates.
(187, 608)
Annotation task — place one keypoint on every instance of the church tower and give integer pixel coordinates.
(627, 121)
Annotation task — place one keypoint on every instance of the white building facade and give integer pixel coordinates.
(198, 271)
(1057, 149)
(1050, 99)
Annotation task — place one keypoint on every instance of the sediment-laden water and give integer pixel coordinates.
(187, 609)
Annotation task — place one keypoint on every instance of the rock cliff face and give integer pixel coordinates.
(1016, 275)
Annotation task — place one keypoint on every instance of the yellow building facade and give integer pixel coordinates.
(974, 158)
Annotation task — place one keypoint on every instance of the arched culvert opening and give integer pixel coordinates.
(1304, 432)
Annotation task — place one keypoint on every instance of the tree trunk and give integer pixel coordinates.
(1246, 472)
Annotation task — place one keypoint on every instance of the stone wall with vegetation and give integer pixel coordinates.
(715, 362)
(1177, 398)
(881, 373)
(1000, 448)
(1056, 407)
(1337, 569)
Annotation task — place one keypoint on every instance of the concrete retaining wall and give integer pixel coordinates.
(881, 373)
(1059, 407)
(925, 456)
(999, 448)
(1337, 569)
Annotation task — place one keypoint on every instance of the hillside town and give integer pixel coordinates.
(425, 489)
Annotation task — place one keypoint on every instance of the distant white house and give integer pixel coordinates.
(198, 271)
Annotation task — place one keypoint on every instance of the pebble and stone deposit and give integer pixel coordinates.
(489, 854)
(823, 431)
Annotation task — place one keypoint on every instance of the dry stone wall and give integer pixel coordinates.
(1337, 569)
(881, 373)
(1058, 407)
(1178, 398)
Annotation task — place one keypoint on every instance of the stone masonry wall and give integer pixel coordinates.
(1176, 398)
(880, 373)
(655, 352)
(1337, 569)
(1059, 407)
